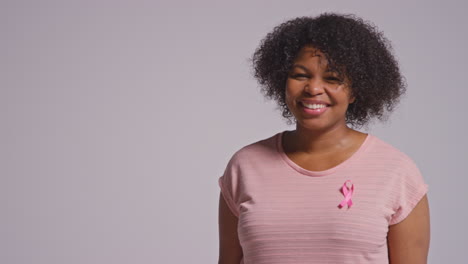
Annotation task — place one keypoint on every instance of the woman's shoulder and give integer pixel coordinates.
(389, 151)
(256, 148)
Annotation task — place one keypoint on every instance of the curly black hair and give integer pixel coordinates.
(353, 47)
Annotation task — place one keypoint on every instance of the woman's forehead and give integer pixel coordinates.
(311, 50)
(307, 52)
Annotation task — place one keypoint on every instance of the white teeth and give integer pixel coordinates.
(314, 106)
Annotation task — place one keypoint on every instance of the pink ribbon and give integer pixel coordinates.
(348, 193)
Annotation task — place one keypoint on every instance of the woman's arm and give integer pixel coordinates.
(408, 241)
(230, 250)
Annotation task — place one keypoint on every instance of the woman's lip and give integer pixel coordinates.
(302, 103)
(314, 102)
(313, 112)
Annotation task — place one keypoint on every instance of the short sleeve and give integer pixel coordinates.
(409, 190)
(228, 183)
(227, 194)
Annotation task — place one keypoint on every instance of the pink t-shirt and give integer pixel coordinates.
(287, 214)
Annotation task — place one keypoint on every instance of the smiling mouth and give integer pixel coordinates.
(315, 110)
(313, 106)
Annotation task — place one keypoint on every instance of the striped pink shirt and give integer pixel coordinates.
(288, 214)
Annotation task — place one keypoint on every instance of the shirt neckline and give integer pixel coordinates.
(292, 164)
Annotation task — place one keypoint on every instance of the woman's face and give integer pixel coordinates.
(309, 80)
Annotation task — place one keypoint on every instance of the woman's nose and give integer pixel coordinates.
(315, 87)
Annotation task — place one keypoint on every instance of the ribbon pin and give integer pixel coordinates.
(347, 192)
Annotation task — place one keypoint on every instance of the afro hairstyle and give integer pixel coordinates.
(353, 47)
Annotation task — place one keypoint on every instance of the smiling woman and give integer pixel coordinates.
(316, 95)
(325, 192)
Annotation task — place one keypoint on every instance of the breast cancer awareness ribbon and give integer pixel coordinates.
(348, 193)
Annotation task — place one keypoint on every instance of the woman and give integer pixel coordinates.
(325, 192)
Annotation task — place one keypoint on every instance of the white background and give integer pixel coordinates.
(118, 117)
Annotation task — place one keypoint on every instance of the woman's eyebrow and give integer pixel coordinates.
(307, 70)
(300, 66)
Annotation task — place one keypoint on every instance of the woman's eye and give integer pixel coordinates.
(302, 76)
(334, 79)
(299, 76)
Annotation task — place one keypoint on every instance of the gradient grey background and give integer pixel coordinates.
(118, 117)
